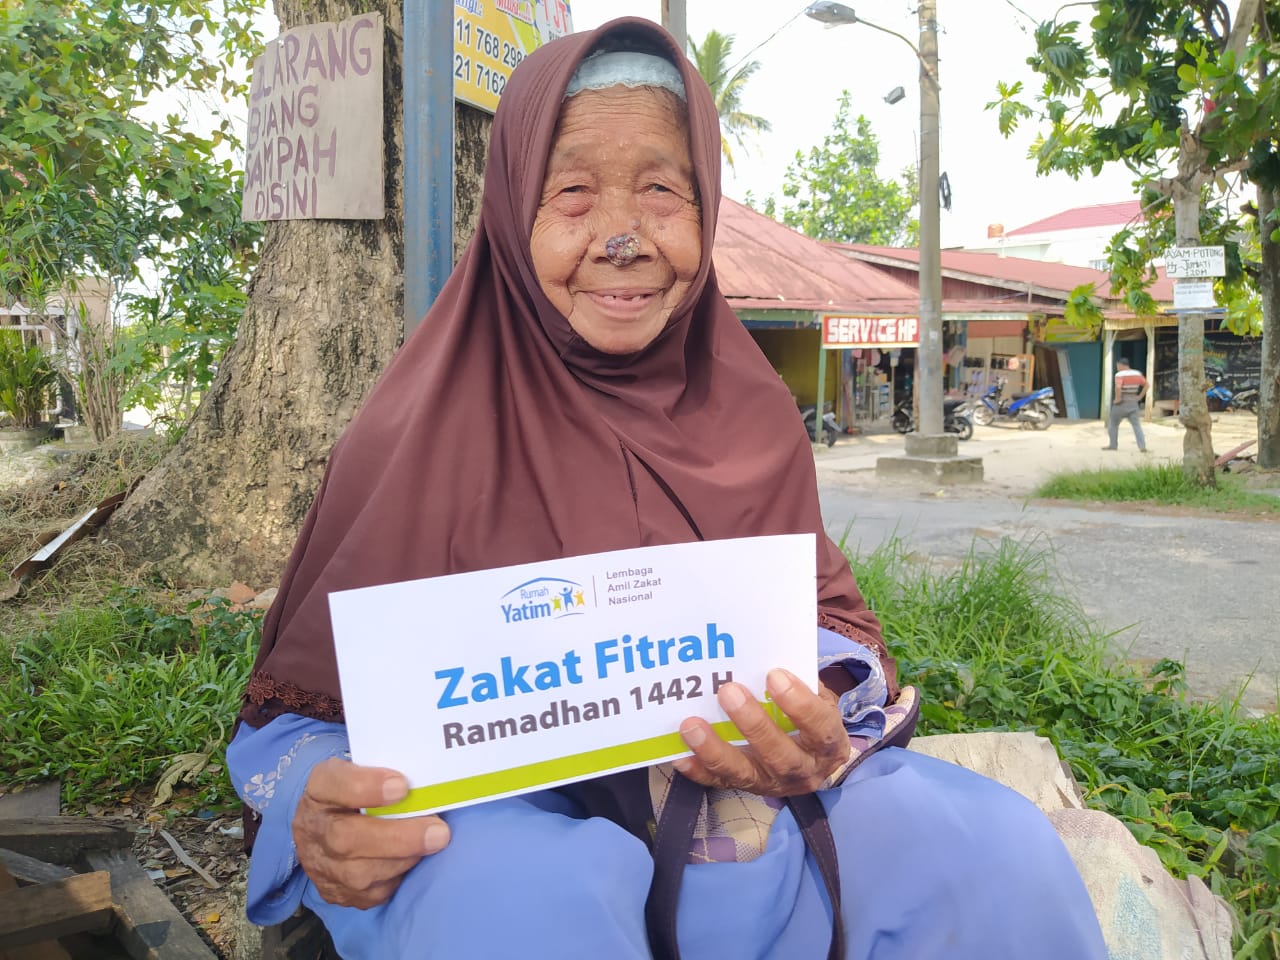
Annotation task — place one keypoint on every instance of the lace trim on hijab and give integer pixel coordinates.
(873, 643)
(274, 697)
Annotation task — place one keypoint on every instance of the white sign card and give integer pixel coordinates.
(1195, 262)
(488, 684)
(1193, 294)
(314, 140)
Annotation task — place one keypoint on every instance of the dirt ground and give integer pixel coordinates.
(1016, 461)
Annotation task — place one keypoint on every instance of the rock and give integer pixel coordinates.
(264, 600)
(238, 594)
(1023, 761)
(1144, 912)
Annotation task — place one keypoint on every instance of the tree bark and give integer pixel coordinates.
(1193, 407)
(1269, 283)
(323, 319)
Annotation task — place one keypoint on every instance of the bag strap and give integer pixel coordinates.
(812, 818)
(671, 852)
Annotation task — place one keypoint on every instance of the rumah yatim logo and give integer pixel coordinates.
(545, 598)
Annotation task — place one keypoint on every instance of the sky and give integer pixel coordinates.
(806, 65)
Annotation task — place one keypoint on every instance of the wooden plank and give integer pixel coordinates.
(30, 870)
(61, 839)
(49, 950)
(79, 904)
(1226, 457)
(35, 800)
(149, 926)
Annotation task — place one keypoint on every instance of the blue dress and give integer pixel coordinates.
(935, 861)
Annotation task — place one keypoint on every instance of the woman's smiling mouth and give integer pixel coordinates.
(622, 303)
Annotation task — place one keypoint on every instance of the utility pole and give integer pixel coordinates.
(929, 354)
(674, 20)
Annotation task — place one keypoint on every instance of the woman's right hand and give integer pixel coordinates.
(353, 859)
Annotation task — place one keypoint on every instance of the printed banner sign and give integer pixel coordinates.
(1193, 295)
(488, 684)
(314, 140)
(491, 37)
(842, 333)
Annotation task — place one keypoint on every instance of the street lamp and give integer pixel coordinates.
(929, 354)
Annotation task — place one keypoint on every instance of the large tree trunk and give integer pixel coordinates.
(324, 317)
(1193, 407)
(1269, 388)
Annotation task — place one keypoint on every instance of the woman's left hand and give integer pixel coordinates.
(773, 764)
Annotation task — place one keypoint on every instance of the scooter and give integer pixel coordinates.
(955, 418)
(1246, 399)
(1036, 409)
(830, 428)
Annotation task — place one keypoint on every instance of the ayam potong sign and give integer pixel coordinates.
(314, 139)
(844, 332)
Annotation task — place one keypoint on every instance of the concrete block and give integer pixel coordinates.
(930, 444)
(931, 469)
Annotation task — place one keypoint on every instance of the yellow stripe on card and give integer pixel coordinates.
(558, 769)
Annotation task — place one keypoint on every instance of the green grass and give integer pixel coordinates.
(103, 697)
(1158, 483)
(996, 644)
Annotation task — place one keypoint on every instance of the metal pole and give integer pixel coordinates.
(428, 156)
(673, 18)
(822, 393)
(929, 356)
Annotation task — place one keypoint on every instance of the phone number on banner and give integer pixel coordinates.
(490, 39)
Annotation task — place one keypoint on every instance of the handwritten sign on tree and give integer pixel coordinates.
(314, 142)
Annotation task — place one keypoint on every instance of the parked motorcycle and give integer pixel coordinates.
(955, 418)
(1036, 409)
(830, 427)
(1246, 399)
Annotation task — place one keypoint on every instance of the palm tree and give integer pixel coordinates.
(713, 59)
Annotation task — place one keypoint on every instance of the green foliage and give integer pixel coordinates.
(996, 644)
(1082, 311)
(104, 696)
(835, 193)
(712, 57)
(27, 380)
(1138, 85)
(92, 185)
(1157, 483)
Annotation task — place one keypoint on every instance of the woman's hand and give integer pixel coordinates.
(353, 859)
(773, 764)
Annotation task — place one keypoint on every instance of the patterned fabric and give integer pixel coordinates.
(260, 789)
(734, 825)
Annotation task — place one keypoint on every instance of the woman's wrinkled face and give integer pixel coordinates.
(619, 164)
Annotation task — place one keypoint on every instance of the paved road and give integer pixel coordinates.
(1203, 590)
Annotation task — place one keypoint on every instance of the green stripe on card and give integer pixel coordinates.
(558, 770)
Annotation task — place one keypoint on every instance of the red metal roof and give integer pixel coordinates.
(1044, 278)
(762, 264)
(1080, 218)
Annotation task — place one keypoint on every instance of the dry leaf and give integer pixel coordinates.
(184, 768)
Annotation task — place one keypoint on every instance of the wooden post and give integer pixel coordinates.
(1150, 328)
(1108, 370)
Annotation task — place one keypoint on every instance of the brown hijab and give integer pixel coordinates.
(497, 436)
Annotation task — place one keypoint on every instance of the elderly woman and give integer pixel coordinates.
(581, 385)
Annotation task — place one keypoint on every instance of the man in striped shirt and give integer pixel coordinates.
(1131, 388)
